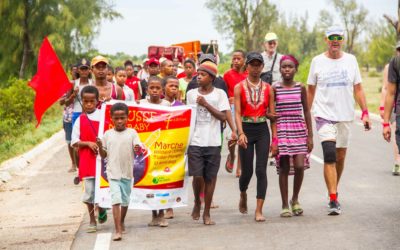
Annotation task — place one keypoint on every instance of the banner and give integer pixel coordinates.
(160, 179)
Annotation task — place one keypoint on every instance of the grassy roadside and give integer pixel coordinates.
(372, 83)
(16, 145)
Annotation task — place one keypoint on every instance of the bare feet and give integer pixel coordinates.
(123, 228)
(243, 203)
(169, 214)
(213, 205)
(117, 237)
(162, 222)
(207, 221)
(154, 222)
(259, 217)
(196, 211)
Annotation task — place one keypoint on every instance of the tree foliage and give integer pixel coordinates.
(69, 24)
(244, 21)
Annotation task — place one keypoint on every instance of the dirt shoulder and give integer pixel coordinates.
(40, 206)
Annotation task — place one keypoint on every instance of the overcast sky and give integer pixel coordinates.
(164, 22)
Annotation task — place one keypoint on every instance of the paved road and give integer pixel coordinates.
(369, 195)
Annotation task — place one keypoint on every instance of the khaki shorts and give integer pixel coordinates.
(88, 190)
(335, 131)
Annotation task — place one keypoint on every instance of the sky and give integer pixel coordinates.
(164, 22)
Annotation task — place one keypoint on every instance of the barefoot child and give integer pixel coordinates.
(204, 153)
(118, 145)
(120, 77)
(84, 134)
(294, 134)
(154, 92)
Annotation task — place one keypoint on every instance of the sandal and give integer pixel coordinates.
(285, 213)
(228, 164)
(91, 229)
(102, 218)
(296, 208)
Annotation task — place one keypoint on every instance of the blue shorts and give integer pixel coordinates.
(68, 131)
(120, 191)
(75, 116)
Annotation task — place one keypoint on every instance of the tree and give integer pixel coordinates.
(244, 21)
(353, 18)
(395, 23)
(68, 25)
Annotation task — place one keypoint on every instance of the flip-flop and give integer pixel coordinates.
(91, 229)
(102, 218)
(285, 213)
(117, 238)
(228, 165)
(296, 208)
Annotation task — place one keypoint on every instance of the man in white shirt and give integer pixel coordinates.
(333, 83)
(271, 58)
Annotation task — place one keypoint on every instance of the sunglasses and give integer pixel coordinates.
(271, 42)
(335, 38)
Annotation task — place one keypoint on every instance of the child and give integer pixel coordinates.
(154, 92)
(190, 70)
(120, 77)
(110, 74)
(132, 81)
(171, 86)
(118, 146)
(204, 153)
(294, 134)
(84, 134)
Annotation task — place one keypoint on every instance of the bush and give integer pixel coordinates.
(16, 107)
(303, 70)
(373, 74)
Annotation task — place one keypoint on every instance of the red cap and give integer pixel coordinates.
(153, 60)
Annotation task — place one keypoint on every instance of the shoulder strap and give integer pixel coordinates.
(273, 63)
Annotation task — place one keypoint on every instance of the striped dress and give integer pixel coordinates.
(291, 127)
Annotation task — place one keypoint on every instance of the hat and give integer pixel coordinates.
(254, 56)
(98, 59)
(153, 60)
(270, 37)
(209, 67)
(207, 57)
(83, 63)
(398, 45)
(334, 30)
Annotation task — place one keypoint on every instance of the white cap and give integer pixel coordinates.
(334, 30)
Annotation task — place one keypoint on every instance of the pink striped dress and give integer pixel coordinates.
(291, 127)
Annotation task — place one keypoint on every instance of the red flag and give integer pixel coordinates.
(50, 82)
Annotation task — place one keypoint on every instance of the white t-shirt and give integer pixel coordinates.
(77, 106)
(207, 131)
(120, 152)
(163, 102)
(128, 92)
(334, 80)
(76, 129)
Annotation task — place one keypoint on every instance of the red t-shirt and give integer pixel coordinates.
(134, 83)
(233, 77)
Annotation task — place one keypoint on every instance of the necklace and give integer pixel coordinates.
(255, 91)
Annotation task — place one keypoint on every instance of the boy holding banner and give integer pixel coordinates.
(204, 153)
(118, 145)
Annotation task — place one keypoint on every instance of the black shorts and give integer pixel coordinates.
(68, 131)
(204, 161)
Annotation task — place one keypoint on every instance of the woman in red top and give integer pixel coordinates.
(253, 100)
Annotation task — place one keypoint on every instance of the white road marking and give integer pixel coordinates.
(102, 241)
(317, 159)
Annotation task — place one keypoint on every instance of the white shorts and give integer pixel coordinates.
(338, 131)
(88, 190)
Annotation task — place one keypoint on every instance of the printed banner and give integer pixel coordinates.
(160, 179)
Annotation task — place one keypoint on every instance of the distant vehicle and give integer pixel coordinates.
(182, 51)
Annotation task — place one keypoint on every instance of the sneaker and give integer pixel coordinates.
(334, 208)
(396, 169)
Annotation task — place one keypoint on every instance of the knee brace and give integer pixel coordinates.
(329, 150)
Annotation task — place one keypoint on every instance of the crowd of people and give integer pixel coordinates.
(256, 106)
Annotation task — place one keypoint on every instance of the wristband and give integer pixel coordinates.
(385, 124)
(364, 113)
(381, 108)
(274, 141)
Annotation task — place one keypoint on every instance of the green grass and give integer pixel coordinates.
(372, 83)
(30, 136)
